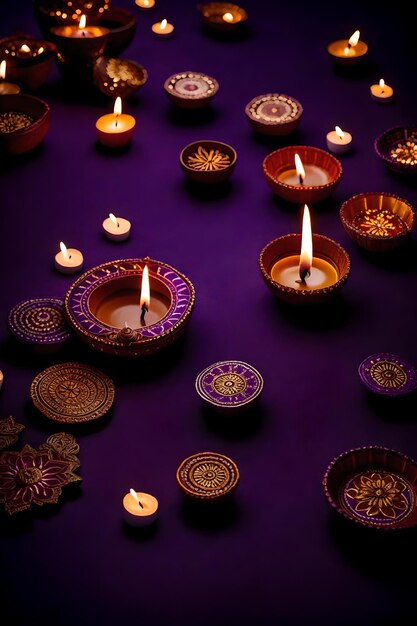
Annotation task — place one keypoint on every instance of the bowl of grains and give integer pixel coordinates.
(208, 161)
(24, 122)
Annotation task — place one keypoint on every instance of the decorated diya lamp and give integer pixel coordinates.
(348, 52)
(274, 114)
(388, 374)
(80, 44)
(296, 276)
(378, 222)
(6, 87)
(118, 77)
(191, 90)
(229, 386)
(29, 60)
(132, 307)
(24, 122)
(397, 147)
(223, 16)
(40, 322)
(121, 25)
(50, 13)
(208, 162)
(373, 486)
(302, 174)
(207, 476)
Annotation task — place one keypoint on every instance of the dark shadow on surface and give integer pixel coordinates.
(329, 205)
(192, 117)
(234, 424)
(71, 89)
(208, 193)
(228, 36)
(275, 142)
(400, 409)
(140, 534)
(46, 425)
(9, 162)
(112, 151)
(363, 69)
(402, 261)
(210, 516)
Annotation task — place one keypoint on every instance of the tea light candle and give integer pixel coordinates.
(6, 87)
(348, 50)
(145, 4)
(304, 272)
(82, 31)
(116, 228)
(382, 92)
(163, 29)
(339, 141)
(308, 175)
(115, 129)
(68, 260)
(140, 509)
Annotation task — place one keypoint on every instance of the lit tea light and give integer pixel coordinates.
(145, 4)
(80, 43)
(68, 260)
(228, 17)
(348, 50)
(382, 92)
(140, 509)
(339, 141)
(116, 228)
(115, 129)
(163, 29)
(304, 272)
(304, 175)
(5, 86)
(145, 295)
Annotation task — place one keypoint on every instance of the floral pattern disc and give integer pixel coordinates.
(207, 475)
(229, 384)
(387, 374)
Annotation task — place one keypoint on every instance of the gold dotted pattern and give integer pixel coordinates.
(388, 374)
(229, 384)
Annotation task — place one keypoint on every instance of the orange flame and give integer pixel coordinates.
(306, 256)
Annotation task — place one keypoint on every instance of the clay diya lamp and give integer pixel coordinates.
(229, 386)
(132, 307)
(397, 147)
(122, 28)
(302, 174)
(208, 162)
(223, 16)
(50, 13)
(274, 114)
(118, 77)
(207, 476)
(378, 222)
(348, 52)
(191, 90)
(40, 322)
(24, 122)
(388, 374)
(373, 486)
(6, 86)
(80, 44)
(304, 269)
(29, 60)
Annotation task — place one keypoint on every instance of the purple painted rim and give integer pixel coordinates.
(229, 384)
(388, 374)
(39, 321)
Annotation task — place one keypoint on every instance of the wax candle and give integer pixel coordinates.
(348, 50)
(68, 260)
(145, 4)
(115, 129)
(140, 509)
(304, 175)
(163, 29)
(116, 228)
(339, 141)
(6, 87)
(382, 92)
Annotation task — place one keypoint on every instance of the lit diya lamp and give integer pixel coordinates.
(292, 272)
(5, 86)
(132, 307)
(382, 92)
(115, 129)
(348, 51)
(80, 43)
(49, 13)
(223, 16)
(302, 174)
(29, 60)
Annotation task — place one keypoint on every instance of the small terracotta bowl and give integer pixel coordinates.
(46, 12)
(191, 90)
(30, 73)
(282, 160)
(79, 51)
(118, 77)
(274, 114)
(26, 139)
(397, 147)
(373, 486)
(197, 156)
(336, 48)
(122, 29)
(378, 222)
(212, 14)
(290, 245)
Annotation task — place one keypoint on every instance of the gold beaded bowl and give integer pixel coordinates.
(191, 90)
(118, 77)
(378, 222)
(24, 122)
(207, 161)
(274, 114)
(397, 147)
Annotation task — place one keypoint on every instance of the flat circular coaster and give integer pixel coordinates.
(229, 384)
(40, 321)
(274, 113)
(207, 475)
(387, 374)
(72, 393)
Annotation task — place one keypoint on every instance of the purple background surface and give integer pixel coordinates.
(278, 554)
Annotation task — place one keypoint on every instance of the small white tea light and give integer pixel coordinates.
(162, 29)
(140, 509)
(116, 228)
(145, 4)
(68, 260)
(339, 141)
(382, 92)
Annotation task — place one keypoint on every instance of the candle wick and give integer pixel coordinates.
(69, 256)
(303, 275)
(144, 311)
(140, 504)
(83, 32)
(301, 179)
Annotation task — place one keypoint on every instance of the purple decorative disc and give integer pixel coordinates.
(40, 321)
(229, 384)
(387, 374)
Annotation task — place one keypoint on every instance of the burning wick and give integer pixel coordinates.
(135, 496)
(352, 41)
(306, 255)
(300, 169)
(117, 108)
(114, 220)
(382, 85)
(145, 296)
(82, 24)
(64, 250)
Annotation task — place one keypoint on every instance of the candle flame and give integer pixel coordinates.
(299, 167)
(145, 2)
(41, 49)
(228, 17)
(113, 219)
(163, 24)
(3, 70)
(83, 22)
(306, 256)
(354, 38)
(24, 48)
(339, 132)
(134, 495)
(382, 84)
(64, 249)
(117, 106)
(145, 296)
